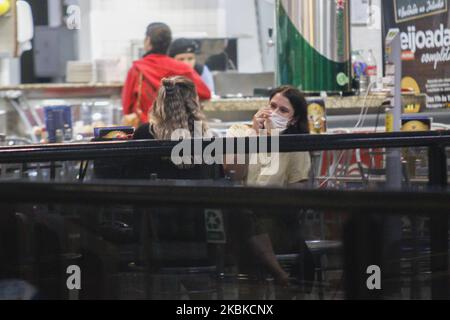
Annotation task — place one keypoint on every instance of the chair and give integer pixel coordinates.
(172, 254)
(173, 250)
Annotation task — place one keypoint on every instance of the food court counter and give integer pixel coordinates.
(104, 99)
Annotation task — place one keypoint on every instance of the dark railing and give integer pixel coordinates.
(204, 194)
(363, 242)
(435, 203)
(292, 143)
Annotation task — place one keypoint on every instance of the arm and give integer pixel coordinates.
(129, 92)
(299, 170)
(240, 170)
(202, 89)
(299, 185)
(208, 78)
(257, 244)
(261, 246)
(231, 160)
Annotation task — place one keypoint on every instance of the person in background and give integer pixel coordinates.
(185, 50)
(287, 114)
(221, 61)
(176, 107)
(144, 77)
(176, 110)
(177, 231)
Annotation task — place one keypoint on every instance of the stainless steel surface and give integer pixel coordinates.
(66, 91)
(316, 20)
(96, 104)
(244, 84)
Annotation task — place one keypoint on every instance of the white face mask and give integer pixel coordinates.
(279, 122)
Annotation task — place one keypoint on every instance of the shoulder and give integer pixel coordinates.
(171, 64)
(200, 69)
(143, 133)
(206, 69)
(134, 70)
(153, 60)
(240, 131)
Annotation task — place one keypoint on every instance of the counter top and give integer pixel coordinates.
(335, 105)
(66, 90)
(235, 104)
(66, 86)
(254, 104)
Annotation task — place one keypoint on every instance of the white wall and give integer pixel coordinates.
(109, 26)
(4, 73)
(9, 71)
(241, 22)
(370, 36)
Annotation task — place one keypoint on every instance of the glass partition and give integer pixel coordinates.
(153, 242)
(342, 169)
(123, 220)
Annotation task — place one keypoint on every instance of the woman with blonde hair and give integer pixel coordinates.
(176, 113)
(176, 107)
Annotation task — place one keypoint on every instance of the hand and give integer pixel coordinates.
(261, 119)
(282, 279)
(131, 120)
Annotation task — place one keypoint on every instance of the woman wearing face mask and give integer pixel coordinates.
(287, 114)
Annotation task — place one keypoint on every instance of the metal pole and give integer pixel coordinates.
(392, 231)
(438, 178)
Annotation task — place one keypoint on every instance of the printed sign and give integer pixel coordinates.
(406, 10)
(425, 42)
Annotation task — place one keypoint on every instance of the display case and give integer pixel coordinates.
(187, 240)
(99, 104)
(92, 105)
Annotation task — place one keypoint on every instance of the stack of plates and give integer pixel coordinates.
(109, 70)
(80, 72)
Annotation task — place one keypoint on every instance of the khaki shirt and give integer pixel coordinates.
(279, 170)
(276, 170)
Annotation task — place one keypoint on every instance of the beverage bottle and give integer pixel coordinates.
(372, 68)
(359, 65)
(359, 72)
(68, 134)
(59, 136)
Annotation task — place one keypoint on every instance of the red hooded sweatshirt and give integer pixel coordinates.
(144, 79)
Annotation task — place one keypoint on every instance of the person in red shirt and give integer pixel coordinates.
(144, 78)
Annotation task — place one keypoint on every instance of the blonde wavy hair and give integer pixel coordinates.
(176, 107)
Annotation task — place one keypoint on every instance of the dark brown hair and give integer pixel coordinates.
(160, 37)
(300, 105)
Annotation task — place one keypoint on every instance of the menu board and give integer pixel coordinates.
(413, 9)
(425, 43)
